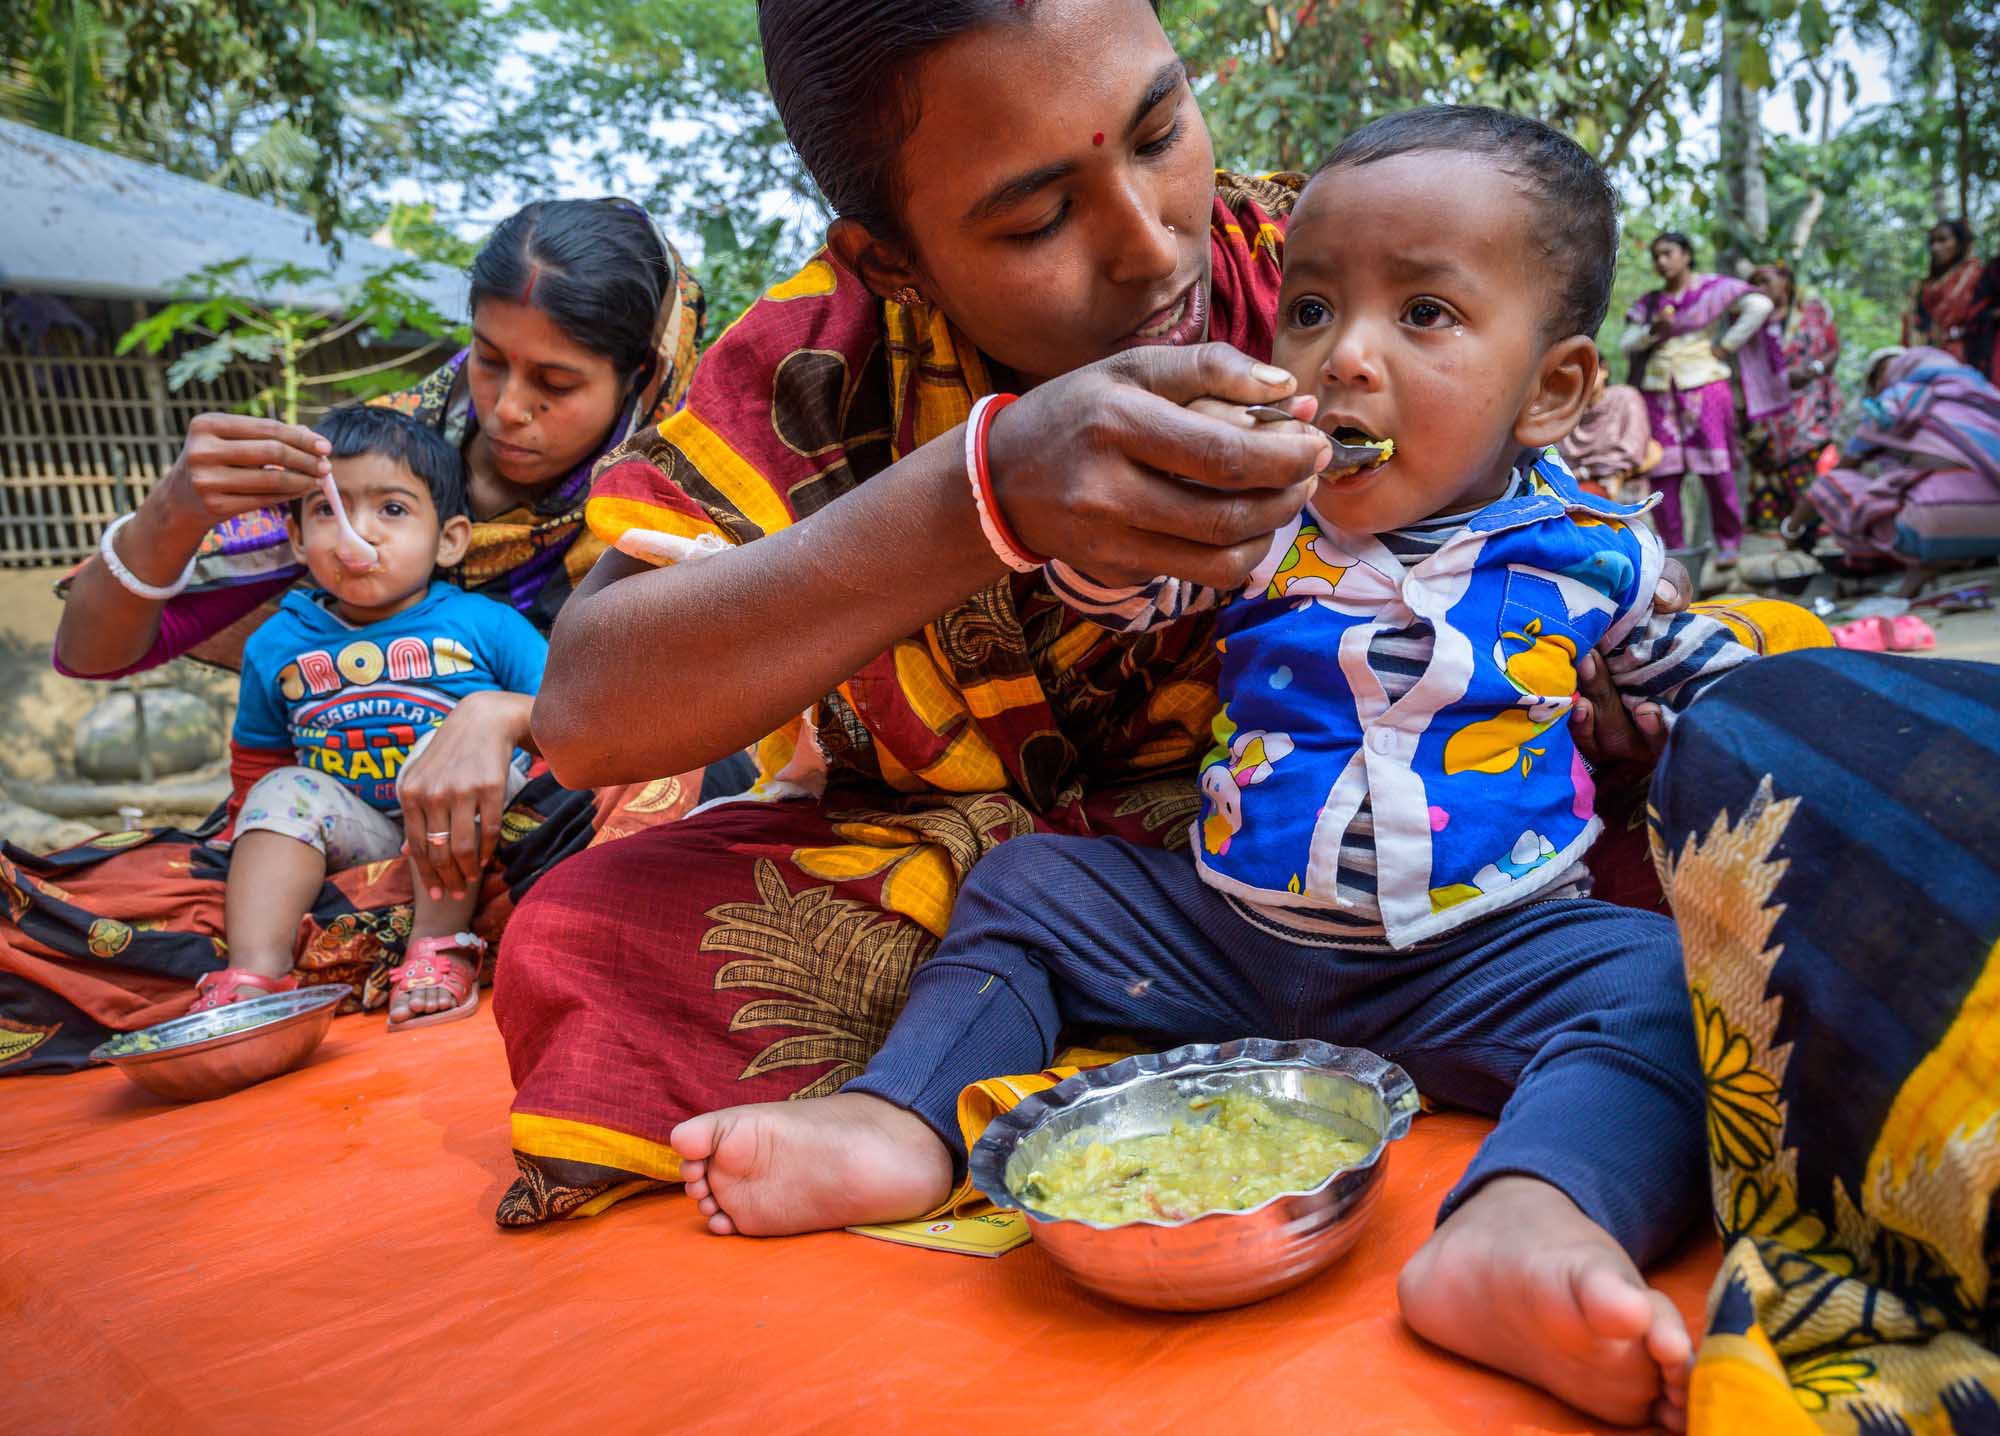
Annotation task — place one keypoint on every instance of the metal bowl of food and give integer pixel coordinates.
(213, 1053)
(1166, 1164)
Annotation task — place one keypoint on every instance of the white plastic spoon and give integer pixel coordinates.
(354, 551)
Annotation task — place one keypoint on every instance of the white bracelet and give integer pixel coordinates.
(130, 581)
(974, 457)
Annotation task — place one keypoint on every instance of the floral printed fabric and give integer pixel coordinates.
(1824, 826)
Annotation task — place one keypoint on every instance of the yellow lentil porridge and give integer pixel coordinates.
(1246, 1153)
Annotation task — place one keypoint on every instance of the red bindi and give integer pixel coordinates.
(1098, 138)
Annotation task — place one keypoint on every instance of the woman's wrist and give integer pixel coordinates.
(1000, 535)
(163, 535)
(504, 714)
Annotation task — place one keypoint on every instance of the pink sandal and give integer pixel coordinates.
(1870, 635)
(434, 962)
(1905, 633)
(221, 989)
(1908, 633)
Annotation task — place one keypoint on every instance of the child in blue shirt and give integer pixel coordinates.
(1389, 848)
(341, 690)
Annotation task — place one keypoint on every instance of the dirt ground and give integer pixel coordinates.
(1959, 635)
(39, 708)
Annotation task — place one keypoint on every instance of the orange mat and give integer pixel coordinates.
(319, 1253)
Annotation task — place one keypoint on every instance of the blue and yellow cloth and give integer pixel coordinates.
(1828, 829)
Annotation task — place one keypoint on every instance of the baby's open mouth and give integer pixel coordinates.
(1356, 449)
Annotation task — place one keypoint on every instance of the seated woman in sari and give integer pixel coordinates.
(1612, 446)
(1681, 351)
(1920, 482)
(585, 324)
(819, 528)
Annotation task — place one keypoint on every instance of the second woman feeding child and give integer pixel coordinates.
(342, 687)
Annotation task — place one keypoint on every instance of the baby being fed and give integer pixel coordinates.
(1389, 848)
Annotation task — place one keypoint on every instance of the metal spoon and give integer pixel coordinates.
(1344, 455)
(354, 551)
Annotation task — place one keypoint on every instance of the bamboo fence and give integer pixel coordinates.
(84, 437)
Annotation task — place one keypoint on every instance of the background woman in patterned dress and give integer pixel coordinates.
(1682, 339)
(1786, 444)
(1950, 301)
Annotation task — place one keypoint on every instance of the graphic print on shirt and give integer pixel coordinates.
(1248, 759)
(364, 736)
(1530, 851)
(1311, 569)
(1537, 657)
(1542, 668)
(350, 725)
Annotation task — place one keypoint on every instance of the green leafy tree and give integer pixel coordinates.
(230, 307)
(662, 101)
(416, 229)
(737, 265)
(307, 103)
(1280, 85)
(60, 64)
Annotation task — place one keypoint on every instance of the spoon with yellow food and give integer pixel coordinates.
(1354, 452)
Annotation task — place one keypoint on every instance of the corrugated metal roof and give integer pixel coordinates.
(77, 220)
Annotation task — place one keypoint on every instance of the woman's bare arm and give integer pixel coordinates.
(221, 472)
(657, 671)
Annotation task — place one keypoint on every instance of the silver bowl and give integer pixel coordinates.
(211, 1054)
(1217, 1259)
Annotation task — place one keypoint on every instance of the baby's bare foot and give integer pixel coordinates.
(782, 1167)
(1521, 1280)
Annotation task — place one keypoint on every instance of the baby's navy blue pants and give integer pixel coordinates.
(1567, 1019)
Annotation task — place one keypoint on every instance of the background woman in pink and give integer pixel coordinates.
(1681, 352)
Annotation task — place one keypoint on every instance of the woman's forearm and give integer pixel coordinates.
(1636, 337)
(656, 671)
(510, 714)
(1751, 312)
(105, 627)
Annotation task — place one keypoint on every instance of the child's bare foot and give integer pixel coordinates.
(781, 1167)
(1521, 1280)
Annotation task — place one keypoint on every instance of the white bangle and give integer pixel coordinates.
(130, 581)
(1003, 544)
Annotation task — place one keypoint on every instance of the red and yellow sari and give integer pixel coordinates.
(760, 950)
(1946, 309)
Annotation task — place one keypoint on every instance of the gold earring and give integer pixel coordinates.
(907, 296)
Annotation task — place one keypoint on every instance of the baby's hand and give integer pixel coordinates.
(1607, 734)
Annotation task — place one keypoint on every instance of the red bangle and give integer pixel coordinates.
(1004, 542)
